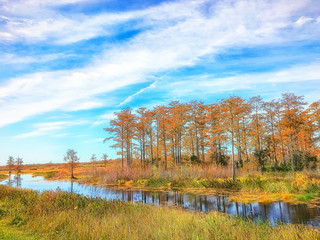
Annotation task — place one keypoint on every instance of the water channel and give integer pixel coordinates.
(273, 212)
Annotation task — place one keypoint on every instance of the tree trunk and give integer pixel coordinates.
(72, 177)
(151, 147)
(197, 145)
(192, 145)
(233, 163)
(157, 159)
(165, 151)
(173, 153)
(180, 147)
(122, 155)
(143, 149)
(274, 144)
(202, 148)
(141, 156)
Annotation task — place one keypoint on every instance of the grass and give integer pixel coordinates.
(9, 232)
(26, 214)
(304, 197)
(46, 175)
(3, 176)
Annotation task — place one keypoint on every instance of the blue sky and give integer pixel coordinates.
(67, 65)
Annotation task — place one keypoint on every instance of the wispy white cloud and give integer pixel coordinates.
(303, 20)
(128, 99)
(42, 21)
(10, 58)
(50, 128)
(208, 84)
(104, 119)
(176, 34)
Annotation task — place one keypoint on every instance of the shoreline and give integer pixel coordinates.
(234, 195)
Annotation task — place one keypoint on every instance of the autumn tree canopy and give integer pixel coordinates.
(283, 132)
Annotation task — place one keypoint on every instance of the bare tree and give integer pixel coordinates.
(105, 159)
(93, 161)
(19, 164)
(10, 164)
(72, 159)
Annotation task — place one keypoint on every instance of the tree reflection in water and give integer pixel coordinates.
(17, 180)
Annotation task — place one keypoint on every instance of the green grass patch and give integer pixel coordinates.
(157, 182)
(3, 176)
(9, 232)
(45, 175)
(305, 197)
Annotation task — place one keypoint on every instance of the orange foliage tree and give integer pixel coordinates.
(273, 133)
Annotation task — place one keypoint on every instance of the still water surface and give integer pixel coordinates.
(274, 212)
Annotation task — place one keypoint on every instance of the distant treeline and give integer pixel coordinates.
(283, 132)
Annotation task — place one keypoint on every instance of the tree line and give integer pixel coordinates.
(277, 133)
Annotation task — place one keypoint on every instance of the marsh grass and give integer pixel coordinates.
(46, 175)
(58, 215)
(113, 173)
(304, 197)
(3, 176)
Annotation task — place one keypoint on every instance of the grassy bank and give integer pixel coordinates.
(46, 175)
(250, 186)
(25, 214)
(3, 176)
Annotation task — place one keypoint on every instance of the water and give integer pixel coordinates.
(274, 212)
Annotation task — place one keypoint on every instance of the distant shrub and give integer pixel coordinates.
(156, 182)
(194, 159)
(222, 183)
(46, 175)
(279, 168)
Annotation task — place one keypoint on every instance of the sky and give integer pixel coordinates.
(67, 65)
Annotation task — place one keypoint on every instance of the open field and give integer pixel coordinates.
(26, 214)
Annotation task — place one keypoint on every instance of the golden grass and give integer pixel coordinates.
(3, 176)
(57, 215)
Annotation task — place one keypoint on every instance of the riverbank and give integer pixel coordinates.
(3, 176)
(58, 215)
(249, 186)
(295, 188)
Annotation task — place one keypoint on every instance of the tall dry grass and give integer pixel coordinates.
(113, 173)
(57, 215)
